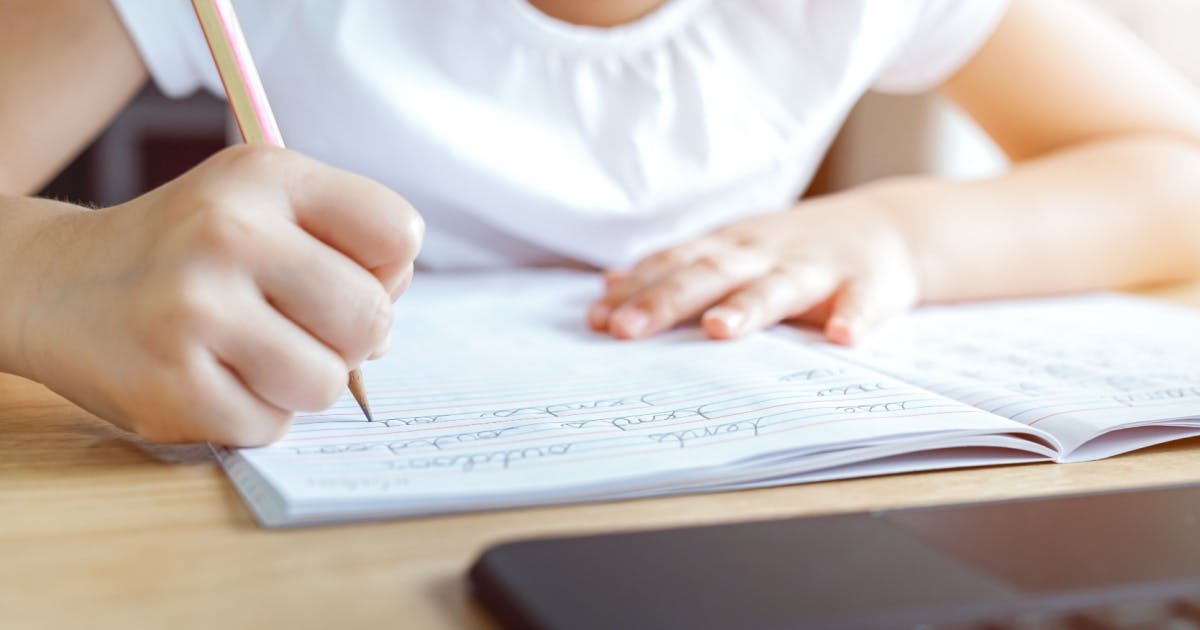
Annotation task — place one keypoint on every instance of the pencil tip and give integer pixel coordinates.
(359, 390)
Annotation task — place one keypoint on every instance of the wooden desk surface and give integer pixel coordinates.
(99, 529)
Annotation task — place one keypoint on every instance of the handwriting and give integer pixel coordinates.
(1158, 395)
(813, 374)
(883, 407)
(850, 390)
(560, 409)
(470, 462)
(414, 420)
(625, 423)
(438, 442)
(682, 437)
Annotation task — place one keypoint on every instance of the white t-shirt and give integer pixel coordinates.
(526, 140)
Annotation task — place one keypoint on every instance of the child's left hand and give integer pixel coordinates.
(843, 261)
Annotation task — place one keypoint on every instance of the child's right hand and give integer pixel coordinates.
(216, 306)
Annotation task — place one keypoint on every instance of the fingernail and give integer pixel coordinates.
(731, 318)
(598, 315)
(382, 349)
(844, 330)
(633, 322)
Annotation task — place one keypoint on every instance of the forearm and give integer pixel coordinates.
(26, 241)
(1110, 214)
(67, 68)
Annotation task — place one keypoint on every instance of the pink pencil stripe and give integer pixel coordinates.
(245, 64)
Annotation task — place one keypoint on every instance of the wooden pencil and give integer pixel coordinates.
(248, 100)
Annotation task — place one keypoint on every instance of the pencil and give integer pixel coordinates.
(244, 89)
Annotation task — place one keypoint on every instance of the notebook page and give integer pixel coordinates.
(495, 393)
(1077, 367)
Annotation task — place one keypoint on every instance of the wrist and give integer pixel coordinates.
(26, 253)
(892, 204)
(916, 208)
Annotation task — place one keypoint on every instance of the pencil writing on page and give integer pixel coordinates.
(248, 100)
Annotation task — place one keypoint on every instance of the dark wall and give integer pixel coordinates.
(152, 141)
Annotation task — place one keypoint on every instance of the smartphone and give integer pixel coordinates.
(1116, 559)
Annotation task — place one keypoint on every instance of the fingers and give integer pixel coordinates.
(783, 293)
(231, 414)
(203, 400)
(395, 276)
(862, 304)
(248, 285)
(325, 293)
(359, 217)
(683, 294)
(620, 286)
(278, 361)
(747, 298)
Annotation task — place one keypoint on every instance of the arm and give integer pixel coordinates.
(1105, 192)
(212, 308)
(55, 55)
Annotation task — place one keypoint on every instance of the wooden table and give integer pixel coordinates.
(100, 529)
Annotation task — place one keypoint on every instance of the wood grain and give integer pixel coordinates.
(101, 529)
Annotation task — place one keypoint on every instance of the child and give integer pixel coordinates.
(666, 140)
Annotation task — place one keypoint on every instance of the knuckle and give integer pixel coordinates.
(739, 235)
(223, 228)
(792, 273)
(669, 257)
(188, 309)
(710, 263)
(168, 319)
(791, 266)
(748, 241)
(667, 302)
(251, 158)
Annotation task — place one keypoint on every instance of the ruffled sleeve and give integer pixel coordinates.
(172, 45)
(940, 38)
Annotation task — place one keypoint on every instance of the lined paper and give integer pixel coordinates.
(496, 394)
(1103, 373)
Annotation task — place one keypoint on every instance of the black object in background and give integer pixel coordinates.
(1118, 559)
(153, 140)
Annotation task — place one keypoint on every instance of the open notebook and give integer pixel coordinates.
(495, 394)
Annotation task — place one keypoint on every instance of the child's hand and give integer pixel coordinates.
(216, 306)
(841, 260)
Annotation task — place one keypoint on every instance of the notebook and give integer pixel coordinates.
(496, 394)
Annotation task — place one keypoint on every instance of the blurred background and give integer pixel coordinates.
(155, 139)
